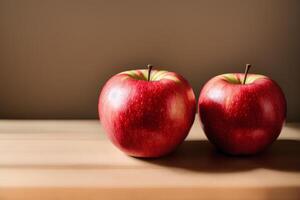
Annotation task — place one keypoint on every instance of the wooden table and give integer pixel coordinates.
(73, 160)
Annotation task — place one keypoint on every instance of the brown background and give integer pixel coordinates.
(56, 55)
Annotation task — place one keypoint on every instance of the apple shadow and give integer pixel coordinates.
(200, 155)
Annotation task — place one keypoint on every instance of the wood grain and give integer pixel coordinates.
(72, 159)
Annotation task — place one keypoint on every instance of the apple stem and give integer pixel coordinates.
(246, 73)
(149, 66)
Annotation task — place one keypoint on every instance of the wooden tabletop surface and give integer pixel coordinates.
(72, 159)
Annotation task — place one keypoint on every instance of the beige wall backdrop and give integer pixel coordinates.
(56, 54)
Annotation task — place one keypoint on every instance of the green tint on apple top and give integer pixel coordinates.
(235, 79)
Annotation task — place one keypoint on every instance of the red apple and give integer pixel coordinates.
(242, 114)
(147, 113)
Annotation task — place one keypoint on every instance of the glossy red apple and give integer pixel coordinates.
(147, 113)
(240, 113)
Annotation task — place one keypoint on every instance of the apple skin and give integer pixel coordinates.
(147, 118)
(242, 119)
